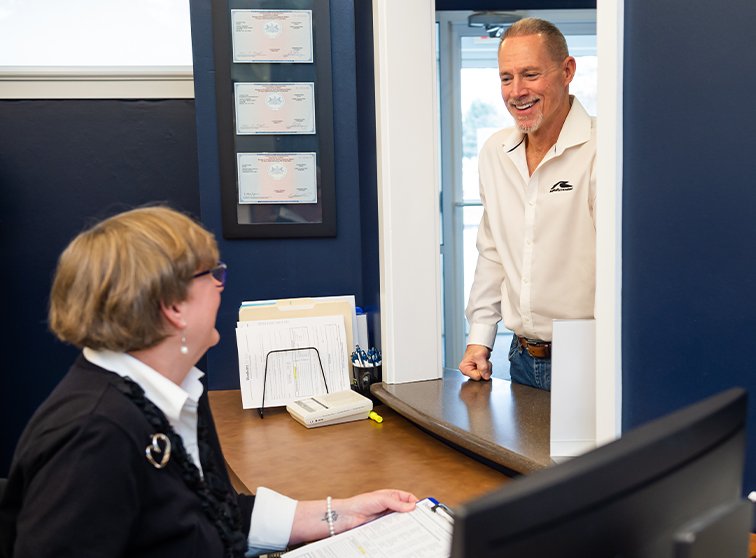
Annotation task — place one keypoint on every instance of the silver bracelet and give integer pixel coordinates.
(329, 516)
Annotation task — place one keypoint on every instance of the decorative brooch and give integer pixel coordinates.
(158, 453)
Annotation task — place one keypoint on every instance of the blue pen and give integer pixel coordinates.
(357, 359)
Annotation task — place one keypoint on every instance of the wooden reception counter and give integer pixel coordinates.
(343, 459)
(505, 423)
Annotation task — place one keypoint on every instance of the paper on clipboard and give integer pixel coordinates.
(272, 335)
(424, 531)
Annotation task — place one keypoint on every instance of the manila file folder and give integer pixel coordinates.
(303, 308)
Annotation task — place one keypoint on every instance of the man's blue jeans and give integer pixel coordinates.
(528, 370)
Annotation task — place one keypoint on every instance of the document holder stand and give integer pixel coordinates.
(265, 373)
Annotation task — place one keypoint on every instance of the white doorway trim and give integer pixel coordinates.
(408, 184)
(408, 189)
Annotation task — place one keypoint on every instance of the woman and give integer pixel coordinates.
(123, 458)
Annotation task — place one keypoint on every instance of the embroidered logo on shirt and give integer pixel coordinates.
(561, 186)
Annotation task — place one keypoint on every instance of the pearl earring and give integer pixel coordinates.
(184, 349)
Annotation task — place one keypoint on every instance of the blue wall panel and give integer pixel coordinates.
(689, 209)
(65, 164)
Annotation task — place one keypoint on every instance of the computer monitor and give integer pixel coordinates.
(669, 489)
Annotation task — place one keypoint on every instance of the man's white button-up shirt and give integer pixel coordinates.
(537, 238)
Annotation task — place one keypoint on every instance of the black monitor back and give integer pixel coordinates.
(675, 479)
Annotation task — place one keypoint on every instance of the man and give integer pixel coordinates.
(536, 241)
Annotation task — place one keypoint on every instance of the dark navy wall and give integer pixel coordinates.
(368, 178)
(280, 268)
(63, 165)
(689, 208)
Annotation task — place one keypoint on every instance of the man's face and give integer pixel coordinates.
(533, 85)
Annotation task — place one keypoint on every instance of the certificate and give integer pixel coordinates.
(277, 178)
(275, 108)
(271, 35)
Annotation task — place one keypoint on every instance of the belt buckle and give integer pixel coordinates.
(537, 349)
(543, 354)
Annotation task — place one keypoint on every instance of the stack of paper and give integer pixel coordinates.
(295, 356)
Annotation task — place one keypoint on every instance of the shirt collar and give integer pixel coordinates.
(167, 396)
(576, 130)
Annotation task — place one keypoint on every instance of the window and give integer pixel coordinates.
(88, 48)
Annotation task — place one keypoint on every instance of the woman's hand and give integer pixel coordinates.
(362, 508)
(311, 517)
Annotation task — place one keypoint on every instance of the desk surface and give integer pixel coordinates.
(343, 459)
(504, 422)
(279, 453)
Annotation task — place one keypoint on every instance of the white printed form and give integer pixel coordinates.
(293, 369)
(274, 108)
(421, 533)
(271, 35)
(277, 178)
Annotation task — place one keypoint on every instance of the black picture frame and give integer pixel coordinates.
(275, 220)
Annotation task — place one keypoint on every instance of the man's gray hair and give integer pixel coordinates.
(555, 41)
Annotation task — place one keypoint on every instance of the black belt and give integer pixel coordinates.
(535, 347)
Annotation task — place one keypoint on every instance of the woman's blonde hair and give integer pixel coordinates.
(112, 279)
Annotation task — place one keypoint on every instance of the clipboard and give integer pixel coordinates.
(399, 535)
(303, 308)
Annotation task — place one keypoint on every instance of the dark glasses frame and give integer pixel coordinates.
(218, 273)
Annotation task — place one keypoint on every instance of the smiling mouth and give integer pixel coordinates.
(525, 105)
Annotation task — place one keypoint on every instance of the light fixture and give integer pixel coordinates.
(493, 22)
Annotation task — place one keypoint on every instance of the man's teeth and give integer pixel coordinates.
(524, 107)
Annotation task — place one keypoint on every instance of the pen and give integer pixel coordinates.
(360, 358)
(443, 510)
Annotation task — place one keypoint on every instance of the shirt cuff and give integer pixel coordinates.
(482, 334)
(272, 519)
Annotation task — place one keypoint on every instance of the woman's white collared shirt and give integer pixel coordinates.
(273, 513)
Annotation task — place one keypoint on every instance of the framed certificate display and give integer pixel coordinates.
(274, 111)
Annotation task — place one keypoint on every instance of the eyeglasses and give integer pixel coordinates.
(218, 272)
